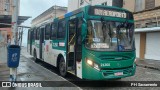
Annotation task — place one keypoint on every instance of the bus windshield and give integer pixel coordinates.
(110, 36)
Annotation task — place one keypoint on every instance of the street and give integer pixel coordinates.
(31, 71)
(100, 41)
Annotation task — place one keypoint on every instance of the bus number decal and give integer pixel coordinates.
(105, 64)
(55, 44)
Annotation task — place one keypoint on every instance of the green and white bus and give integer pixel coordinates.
(93, 42)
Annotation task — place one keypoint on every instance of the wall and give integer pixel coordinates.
(49, 15)
(129, 5)
(5, 8)
(157, 3)
(75, 4)
(3, 48)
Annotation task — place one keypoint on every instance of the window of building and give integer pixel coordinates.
(117, 3)
(151, 24)
(54, 31)
(61, 30)
(7, 5)
(149, 4)
(47, 32)
(137, 25)
(139, 5)
(7, 1)
(81, 2)
(105, 4)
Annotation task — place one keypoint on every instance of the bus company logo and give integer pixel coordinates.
(6, 84)
(23, 84)
(119, 65)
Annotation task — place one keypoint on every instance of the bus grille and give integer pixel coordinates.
(114, 57)
(125, 72)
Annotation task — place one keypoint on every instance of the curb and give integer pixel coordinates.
(150, 67)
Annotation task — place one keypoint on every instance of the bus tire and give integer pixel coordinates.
(62, 67)
(35, 56)
(117, 79)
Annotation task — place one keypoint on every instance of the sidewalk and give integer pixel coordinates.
(28, 70)
(4, 72)
(152, 64)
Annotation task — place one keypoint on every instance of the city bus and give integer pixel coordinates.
(93, 43)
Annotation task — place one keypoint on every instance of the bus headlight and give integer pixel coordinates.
(92, 64)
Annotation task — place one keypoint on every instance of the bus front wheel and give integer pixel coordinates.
(62, 67)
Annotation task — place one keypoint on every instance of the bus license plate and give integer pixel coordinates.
(118, 73)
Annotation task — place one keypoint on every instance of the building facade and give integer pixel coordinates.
(49, 15)
(147, 22)
(75, 4)
(6, 7)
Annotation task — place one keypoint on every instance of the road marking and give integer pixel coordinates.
(53, 73)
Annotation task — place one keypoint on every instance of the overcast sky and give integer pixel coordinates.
(34, 8)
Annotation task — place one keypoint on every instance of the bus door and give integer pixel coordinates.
(74, 43)
(41, 43)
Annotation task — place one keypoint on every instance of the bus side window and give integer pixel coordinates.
(54, 31)
(61, 30)
(37, 36)
(29, 33)
(79, 31)
(34, 33)
(47, 32)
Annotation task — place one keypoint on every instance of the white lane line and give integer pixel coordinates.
(53, 73)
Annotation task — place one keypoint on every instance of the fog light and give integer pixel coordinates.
(96, 66)
(90, 62)
(135, 60)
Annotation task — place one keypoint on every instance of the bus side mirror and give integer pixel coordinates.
(84, 31)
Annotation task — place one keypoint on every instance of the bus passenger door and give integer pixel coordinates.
(41, 43)
(47, 43)
(74, 44)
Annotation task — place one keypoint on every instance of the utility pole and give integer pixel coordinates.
(15, 12)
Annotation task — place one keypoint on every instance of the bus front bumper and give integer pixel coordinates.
(93, 74)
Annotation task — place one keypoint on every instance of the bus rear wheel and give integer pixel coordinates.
(62, 67)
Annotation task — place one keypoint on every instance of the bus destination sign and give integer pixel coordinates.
(110, 12)
(104, 12)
